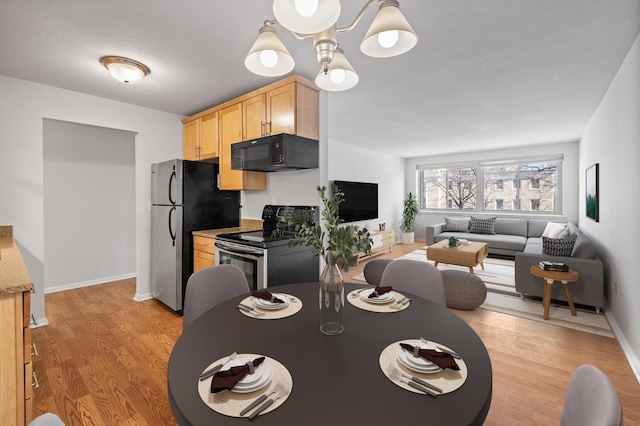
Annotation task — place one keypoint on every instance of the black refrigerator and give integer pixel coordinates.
(184, 198)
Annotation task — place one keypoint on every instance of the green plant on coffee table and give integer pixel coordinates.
(336, 244)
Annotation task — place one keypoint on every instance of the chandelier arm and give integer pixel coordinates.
(357, 18)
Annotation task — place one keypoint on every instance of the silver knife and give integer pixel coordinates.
(260, 399)
(445, 350)
(267, 404)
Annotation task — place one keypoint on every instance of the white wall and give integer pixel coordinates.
(89, 205)
(612, 138)
(352, 163)
(23, 106)
(570, 177)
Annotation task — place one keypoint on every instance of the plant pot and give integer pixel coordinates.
(408, 237)
(331, 300)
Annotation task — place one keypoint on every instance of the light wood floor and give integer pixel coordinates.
(103, 360)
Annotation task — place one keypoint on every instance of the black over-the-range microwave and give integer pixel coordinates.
(275, 153)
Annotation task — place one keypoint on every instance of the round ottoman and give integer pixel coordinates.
(373, 270)
(463, 290)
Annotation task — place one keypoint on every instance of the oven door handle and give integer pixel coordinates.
(238, 250)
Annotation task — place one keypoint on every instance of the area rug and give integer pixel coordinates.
(499, 277)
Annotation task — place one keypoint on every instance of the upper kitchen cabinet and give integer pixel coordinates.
(287, 106)
(200, 137)
(230, 122)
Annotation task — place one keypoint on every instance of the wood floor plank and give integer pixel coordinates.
(103, 359)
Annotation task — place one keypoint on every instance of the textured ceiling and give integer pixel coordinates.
(485, 74)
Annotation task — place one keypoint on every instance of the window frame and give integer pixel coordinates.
(479, 167)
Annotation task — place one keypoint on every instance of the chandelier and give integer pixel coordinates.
(389, 35)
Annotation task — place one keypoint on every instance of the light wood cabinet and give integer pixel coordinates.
(231, 132)
(15, 359)
(286, 106)
(291, 108)
(203, 252)
(200, 138)
(382, 242)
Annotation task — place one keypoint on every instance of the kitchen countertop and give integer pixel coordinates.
(14, 276)
(247, 225)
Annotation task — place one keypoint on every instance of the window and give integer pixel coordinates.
(532, 186)
(448, 188)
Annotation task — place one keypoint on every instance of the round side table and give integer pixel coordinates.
(549, 278)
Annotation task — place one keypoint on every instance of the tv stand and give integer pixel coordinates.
(382, 242)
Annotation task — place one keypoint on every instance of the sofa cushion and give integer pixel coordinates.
(511, 226)
(558, 246)
(555, 230)
(482, 225)
(457, 224)
(536, 228)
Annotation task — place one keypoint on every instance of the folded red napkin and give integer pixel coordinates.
(227, 379)
(266, 295)
(379, 291)
(441, 359)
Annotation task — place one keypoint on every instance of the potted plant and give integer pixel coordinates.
(410, 210)
(336, 245)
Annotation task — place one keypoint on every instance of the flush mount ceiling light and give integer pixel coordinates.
(390, 34)
(125, 70)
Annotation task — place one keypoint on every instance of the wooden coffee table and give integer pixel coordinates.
(469, 255)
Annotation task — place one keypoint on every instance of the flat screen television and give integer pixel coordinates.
(360, 200)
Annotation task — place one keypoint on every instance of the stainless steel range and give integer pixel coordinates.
(268, 260)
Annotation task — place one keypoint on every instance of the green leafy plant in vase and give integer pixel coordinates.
(336, 244)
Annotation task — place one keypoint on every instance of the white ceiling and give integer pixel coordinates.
(485, 74)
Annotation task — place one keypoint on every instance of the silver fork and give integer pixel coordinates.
(267, 403)
(397, 377)
(261, 398)
(416, 379)
(213, 370)
(250, 310)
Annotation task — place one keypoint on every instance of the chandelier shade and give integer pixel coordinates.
(269, 57)
(339, 75)
(390, 34)
(125, 70)
(306, 16)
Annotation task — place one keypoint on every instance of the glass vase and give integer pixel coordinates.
(331, 300)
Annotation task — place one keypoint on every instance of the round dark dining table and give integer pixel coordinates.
(337, 380)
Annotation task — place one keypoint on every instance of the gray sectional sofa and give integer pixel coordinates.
(522, 238)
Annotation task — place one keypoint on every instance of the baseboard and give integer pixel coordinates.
(88, 283)
(40, 322)
(142, 297)
(627, 348)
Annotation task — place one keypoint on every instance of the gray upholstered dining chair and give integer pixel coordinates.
(210, 286)
(591, 400)
(419, 278)
(46, 419)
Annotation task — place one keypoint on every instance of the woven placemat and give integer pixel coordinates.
(292, 308)
(447, 379)
(231, 403)
(357, 301)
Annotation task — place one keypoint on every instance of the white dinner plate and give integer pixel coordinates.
(266, 304)
(405, 359)
(385, 298)
(251, 382)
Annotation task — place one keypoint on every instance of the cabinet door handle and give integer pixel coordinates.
(34, 351)
(268, 132)
(35, 383)
(263, 127)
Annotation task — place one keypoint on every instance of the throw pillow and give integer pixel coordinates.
(555, 230)
(482, 225)
(558, 246)
(456, 224)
